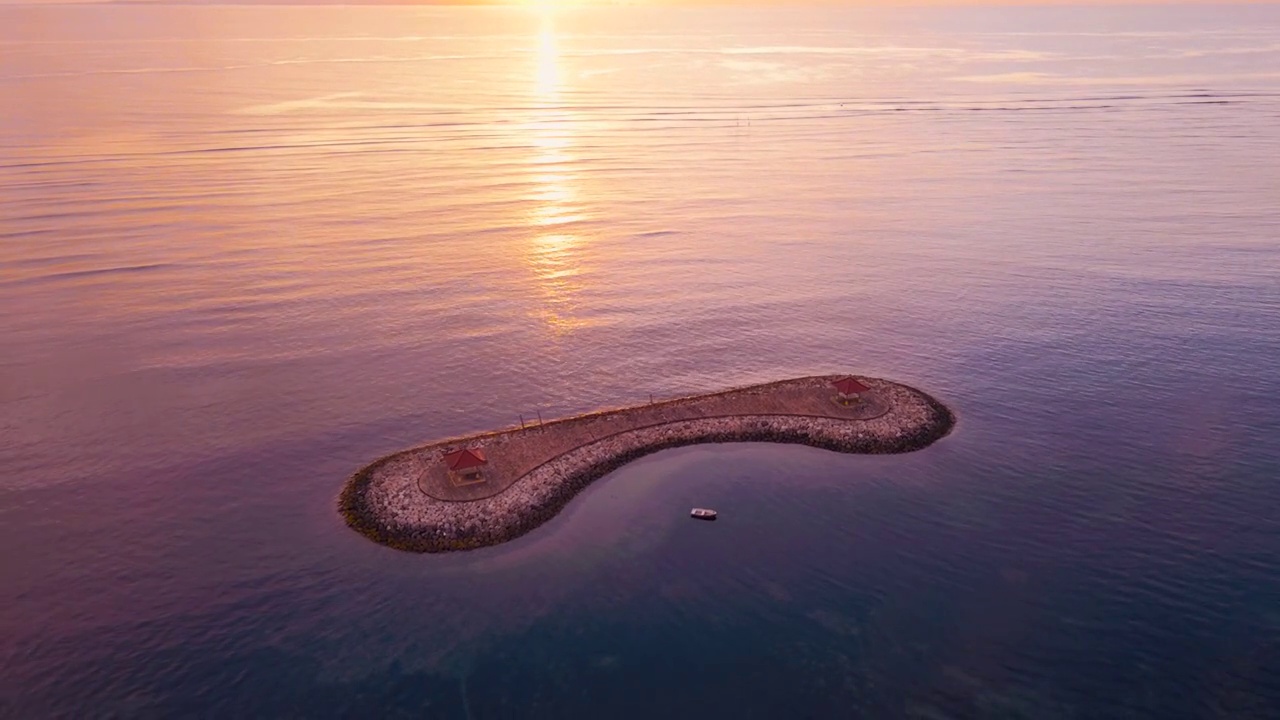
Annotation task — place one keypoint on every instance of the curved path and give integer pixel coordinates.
(409, 500)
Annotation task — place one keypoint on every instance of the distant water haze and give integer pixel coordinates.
(246, 250)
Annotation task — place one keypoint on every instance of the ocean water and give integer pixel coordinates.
(244, 251)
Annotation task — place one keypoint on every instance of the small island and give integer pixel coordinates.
(480, 490)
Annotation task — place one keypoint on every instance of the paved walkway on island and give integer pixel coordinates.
(512, 454)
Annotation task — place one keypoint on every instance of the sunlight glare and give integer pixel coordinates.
(554, 249)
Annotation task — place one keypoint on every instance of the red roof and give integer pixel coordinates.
(464, 459)
(850, 386)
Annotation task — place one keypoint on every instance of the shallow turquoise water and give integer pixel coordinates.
(246, 251)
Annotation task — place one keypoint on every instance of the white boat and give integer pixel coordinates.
(703, 514)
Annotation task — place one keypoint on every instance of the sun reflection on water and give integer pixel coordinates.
(554, 248)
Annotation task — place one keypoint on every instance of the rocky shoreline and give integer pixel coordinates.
(385, 500)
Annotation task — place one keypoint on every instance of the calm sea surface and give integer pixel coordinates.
(245, 251)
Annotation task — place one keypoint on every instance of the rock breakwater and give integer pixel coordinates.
(411, 501)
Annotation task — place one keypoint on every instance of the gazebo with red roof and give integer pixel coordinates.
(849, 388)
(466, 462)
